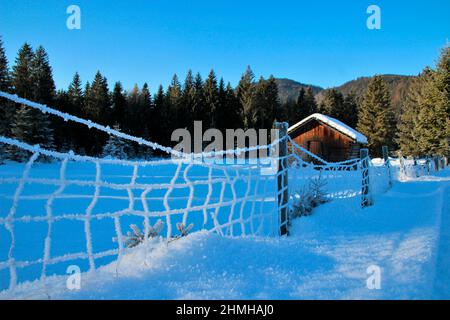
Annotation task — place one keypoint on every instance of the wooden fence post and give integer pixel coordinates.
(365, 192)
(402, 165)
(282, 174)
(385, 151)
(436, 163)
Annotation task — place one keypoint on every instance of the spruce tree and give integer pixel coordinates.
(434, 114)
(245, 94)
(160, 120)
(42, 78)
(255, 116)
(44, 92)
(333, 104)
(232, 109)
(408, 133)
(116, 147)
(64, 132)
(198, 103)
(119, 105)
(97, 99)
(7, 109)
(75, 93)
(5, 74)
(96, 108)
(349, 114)
(211, 93)
(304, 107)
(187, 102)
(173, 107)
(21, 76)
(375, 117)
(145, 109)
(272, 102)
(32, 79)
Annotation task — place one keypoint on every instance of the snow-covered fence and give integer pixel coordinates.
(77, 209)
(406, 168)
(85, 202)
(342, 180)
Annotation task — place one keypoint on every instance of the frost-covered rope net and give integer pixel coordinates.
(339, 180)
(78, 210)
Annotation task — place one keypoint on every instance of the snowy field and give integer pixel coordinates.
(406, 233)
(171, 191)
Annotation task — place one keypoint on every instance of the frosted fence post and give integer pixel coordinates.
(365, 192)
(436, 163)
(385, 151)
(282, 175)
(402, 165)
(428, 165)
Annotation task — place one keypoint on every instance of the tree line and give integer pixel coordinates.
(422, 128)
(137, 112)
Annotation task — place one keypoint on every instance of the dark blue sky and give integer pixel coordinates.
(320, 42)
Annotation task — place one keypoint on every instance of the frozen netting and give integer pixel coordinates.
(80, 208)
(87, 211)
(340, 179)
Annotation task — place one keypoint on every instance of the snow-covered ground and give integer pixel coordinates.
(406, 233)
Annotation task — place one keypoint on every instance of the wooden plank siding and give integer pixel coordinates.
(325, 141)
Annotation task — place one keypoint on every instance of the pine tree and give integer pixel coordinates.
(75, 94)
(172, 107)
(21, 76)
(160, 120)
(96, 108)
(434, 113)
(44, 92)
(333, 104)
(32, 79)
(5, 74)
(229, 114)
(7, 108)
(304, 107)
(64, 132)
(349, 113)
(187, 102)
(116, 147)
(256, 115)
(132, 110)
(145, 109)
(245, 94)
(97, 99)
(119, 105)
(198, 103)
(42, 78)
(408, 133)
(375, 117)
(272, 102)
(211, 93)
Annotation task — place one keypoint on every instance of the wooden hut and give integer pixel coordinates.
(328, 138)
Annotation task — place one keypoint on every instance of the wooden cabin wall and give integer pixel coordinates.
(326, 142)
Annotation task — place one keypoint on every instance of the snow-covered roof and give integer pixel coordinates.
(335, 124)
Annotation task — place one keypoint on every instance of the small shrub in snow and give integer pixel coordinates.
(184, 231)
(309, 197)
(136, 236)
